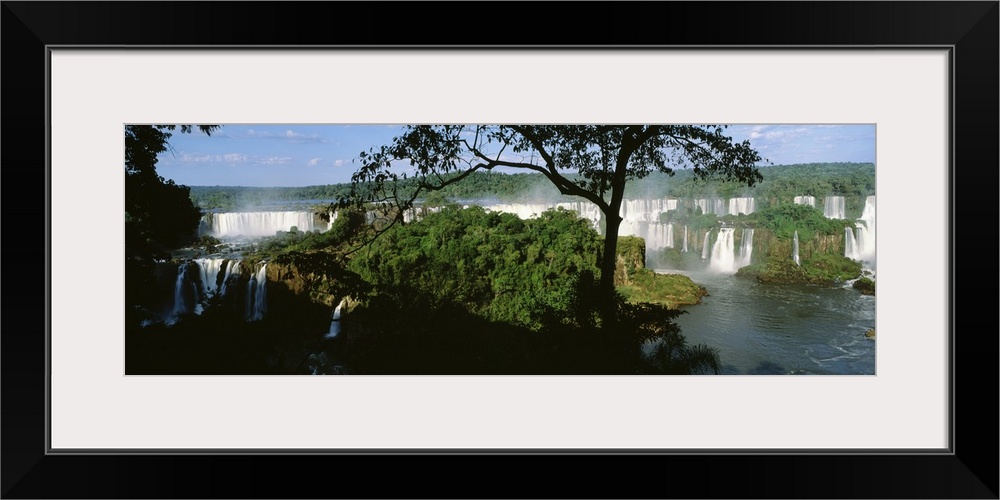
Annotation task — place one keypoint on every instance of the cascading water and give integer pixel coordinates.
(229, 225)
(201, 279)
(851, 250)
(711, 206)
(415, 213)
(859, 244)
(795, 248)
(723, 256)
(186, 296)
(256, 305)
(646, 210)
(335, 321)
(834, 207)
(704, 247)
(232, 272)
(685, 249)
(746, 247)
(866, 232)
(585, 209)
(741, 206)
(209, 274)
(656, 235)
(805, 200)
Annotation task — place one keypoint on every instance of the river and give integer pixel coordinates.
(763, 328)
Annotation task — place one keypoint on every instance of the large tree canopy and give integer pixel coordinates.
(594, 162)
(159, 214)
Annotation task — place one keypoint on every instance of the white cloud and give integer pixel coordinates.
(188, 158)
(274, 160)
(235, 157)
(338, 163)
(313, 162)
(288, 135)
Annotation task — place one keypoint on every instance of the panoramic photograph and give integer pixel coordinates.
(394, 249)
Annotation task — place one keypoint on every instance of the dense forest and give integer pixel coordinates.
(781, 182)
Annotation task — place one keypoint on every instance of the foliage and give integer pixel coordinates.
(654, 323)
(631, 255)
(670, 290)
(865, 286)
(785, 220)
(531, 273)
(821, 269)
(159, 214)
(780, 184)
(831, 269)
(604, 158)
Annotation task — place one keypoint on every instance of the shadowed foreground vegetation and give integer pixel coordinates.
(462, 291)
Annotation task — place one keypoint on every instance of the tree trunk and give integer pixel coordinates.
(607, 287)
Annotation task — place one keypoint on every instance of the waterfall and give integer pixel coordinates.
(711, 206)
(741, 206)
(414, 213)
(256, 304)
(860, 243)
(646, 210)
(746, 247)
(795, 248)
(657, 235)
(704, 246)
(585, 209)
(185, 292)
(257, 224)
(640, 217)
(335, 321)
(232, 272)
(833, 207)
(851, 250)
(209, 270)
(866, 232)
(685, 239)
(805, 200)
(723, 256)
(201, 279)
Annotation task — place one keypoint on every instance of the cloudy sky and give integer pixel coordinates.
(304, 155)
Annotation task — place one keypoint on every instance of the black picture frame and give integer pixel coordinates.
(971, 471)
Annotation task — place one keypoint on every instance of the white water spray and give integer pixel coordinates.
(230, 225)
(741, 206)
(335, 321)
(851, 250)
(256, 305)
(805, 200)
(795, 248)
(723, 256)
(746, 248)
(866, 233)
(833, 207)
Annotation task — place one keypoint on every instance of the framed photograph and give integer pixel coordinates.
(907, 88)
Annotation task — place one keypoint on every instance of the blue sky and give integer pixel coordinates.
(304, 155)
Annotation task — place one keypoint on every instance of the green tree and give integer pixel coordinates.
(159, 214)
(593, 162)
